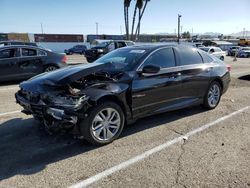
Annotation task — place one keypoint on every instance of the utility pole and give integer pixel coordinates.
(96, 27)
(179, 19)
(121, 29)
(244, 29)
(42, 27)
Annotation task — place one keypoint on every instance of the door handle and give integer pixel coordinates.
(209, 69)
(175, 75)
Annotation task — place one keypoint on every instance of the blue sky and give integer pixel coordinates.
(80, 16)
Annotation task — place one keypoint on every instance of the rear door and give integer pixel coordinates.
(30, 62)
(9, 64)
(153, 93)
(195, 75)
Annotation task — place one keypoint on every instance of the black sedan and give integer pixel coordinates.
(22, 62)
(98, 99)
(78, 49)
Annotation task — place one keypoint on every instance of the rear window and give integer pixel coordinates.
(189, 56)
(41, 53)
(28, 52)
(206, 58)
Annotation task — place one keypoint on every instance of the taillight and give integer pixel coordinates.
(64, 59)
(229, 67)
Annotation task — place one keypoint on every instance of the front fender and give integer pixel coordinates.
(118, 92)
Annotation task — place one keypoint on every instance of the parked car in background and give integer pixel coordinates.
(78, 49)
(244, 52)
(9, 43)
(21, 62)
(216, 51)
(105, 47)
(233, 50)
(129, 83)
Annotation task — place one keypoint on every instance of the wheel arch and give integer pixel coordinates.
(117, 100)
(218, 79)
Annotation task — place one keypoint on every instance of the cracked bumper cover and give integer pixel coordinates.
(42, 110)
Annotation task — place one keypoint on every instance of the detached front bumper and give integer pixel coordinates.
(48, 113)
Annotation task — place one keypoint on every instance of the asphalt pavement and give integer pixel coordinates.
(186, 148)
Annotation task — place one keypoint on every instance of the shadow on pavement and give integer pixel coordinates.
(9, 83)
(245, 77)
(26, 148)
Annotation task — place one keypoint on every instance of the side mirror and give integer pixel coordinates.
(151, 69)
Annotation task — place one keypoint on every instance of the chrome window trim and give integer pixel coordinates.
(21, 55)
(139, 69)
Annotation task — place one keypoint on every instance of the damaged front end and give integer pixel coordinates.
(62, 98)
(57, 109)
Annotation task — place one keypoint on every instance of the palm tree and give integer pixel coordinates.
(133, 23)
(140, 17)
(126, 17)
(139, 6)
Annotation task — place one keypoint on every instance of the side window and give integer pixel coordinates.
(28, 52)
(163, 58)
(41, 53)
(189, 56)
(217, 50)
(121, 44)
(111, 46)
(206, 58)
(129, 43)
(9, 53)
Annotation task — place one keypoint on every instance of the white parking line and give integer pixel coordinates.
(8, 113)
(240, 73)
(146, 154)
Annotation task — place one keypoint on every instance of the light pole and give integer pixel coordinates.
(96, 25)
(179, 20)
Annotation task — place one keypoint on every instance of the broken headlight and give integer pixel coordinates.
(66, 102)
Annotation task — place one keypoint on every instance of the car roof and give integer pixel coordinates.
(152, 47)
(21, 46)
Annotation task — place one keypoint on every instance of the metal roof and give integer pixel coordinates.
(219, 42)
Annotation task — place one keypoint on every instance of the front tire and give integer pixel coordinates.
(104, 124)
(213, 95)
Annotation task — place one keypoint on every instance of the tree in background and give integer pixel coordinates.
(186, 35)
(126, 16)
(140, 6)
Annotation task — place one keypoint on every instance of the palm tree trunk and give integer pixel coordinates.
(139, 26)
(133, 24)
(127, 24)
(125, 21)
(143, 10)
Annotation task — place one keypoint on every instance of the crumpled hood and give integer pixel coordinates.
(65, 75)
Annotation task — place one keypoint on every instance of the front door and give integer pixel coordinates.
(9, 64)
(153, 93)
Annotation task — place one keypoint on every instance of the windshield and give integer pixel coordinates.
(103, 44)
(124, 58)
(205, 49)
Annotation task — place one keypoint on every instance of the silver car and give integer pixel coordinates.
(216, 51)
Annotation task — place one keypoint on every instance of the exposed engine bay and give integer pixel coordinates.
(62, 106)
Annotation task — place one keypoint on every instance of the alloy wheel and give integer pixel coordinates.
(106, 124)
(50, 68)
(213, 95)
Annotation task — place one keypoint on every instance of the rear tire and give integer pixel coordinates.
(213, 96)
(222, 58)
(104, 124)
